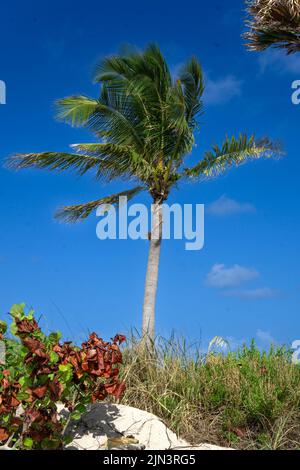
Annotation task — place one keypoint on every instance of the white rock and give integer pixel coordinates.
(104, 421)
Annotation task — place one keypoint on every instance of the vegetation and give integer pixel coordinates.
(247, 399)
(146, 121)
(39, 371)
(273, 23)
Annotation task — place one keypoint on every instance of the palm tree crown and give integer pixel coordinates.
(145, 120)
(273, 23)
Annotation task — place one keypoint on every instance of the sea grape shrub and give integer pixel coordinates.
(40, 372)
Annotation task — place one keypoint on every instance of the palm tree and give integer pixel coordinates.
(145, 120)
(273, 23)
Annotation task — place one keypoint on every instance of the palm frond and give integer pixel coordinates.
(58, 161)
(76, 110)
(114, 67)
(233, 152)
(273, 23)
(117, 161)
(191, 77)
(149, 65)
(111, 117)
(186, 105)
(75, 213)
(108, 161)
(259, 39)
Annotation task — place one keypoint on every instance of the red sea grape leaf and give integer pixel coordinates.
(14, 402)
(74, 362)
(15, 421)
(120, 390)
(79, 374)
(119, 339)
(40, 392)
(56, 389)
(5, 383)
(91, 354)
(32, 414)
(116, 357)
(35, 346)
(4, 409)
(96, 372)
(111, 388)
(99, 395)
(26, 326)
(100, 360)
(57, 349)
(3, 434)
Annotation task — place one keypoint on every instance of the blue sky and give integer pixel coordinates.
(246, 281)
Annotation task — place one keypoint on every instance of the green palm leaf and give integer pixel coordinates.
(191, 77)
(108, 161)
(79, 212)
(232, 153)
(58, 161)
(112, 116)
(76, 109)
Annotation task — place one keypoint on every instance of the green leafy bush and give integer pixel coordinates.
(40, 371)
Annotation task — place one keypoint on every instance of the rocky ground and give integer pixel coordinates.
(109, 426)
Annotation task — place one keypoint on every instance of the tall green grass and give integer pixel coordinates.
(246, 399)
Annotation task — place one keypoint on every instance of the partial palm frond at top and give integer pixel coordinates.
(273, 23)
(144, 122)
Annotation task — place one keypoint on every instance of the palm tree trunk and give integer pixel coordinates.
(148, 329)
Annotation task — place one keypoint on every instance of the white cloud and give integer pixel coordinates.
(277, 60)
(265, 337)
(226, 206)
(253, 294)
(221, 276)
(222, 90)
